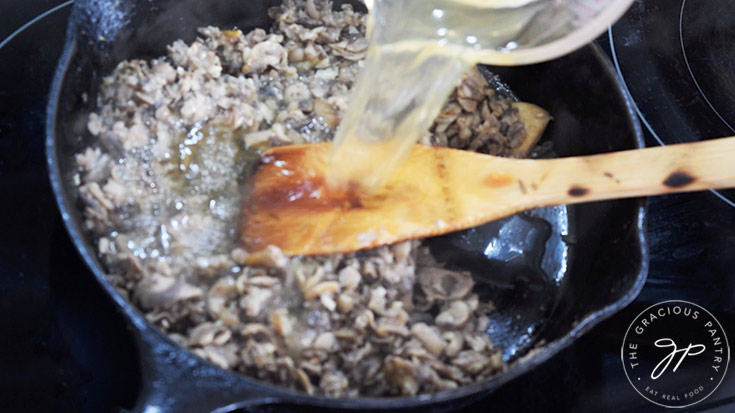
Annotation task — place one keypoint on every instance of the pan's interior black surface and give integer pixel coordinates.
(590, 116)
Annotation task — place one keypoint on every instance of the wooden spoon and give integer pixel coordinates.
(439, 190)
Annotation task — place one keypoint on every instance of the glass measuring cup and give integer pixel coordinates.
(497, 32)
(419, 50)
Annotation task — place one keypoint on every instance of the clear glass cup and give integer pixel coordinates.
(502, 32)
(419, 51)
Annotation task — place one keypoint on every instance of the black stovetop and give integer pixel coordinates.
(63, 347)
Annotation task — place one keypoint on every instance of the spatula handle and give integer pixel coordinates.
(651, 171)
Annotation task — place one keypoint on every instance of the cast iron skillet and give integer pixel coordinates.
(593, 259)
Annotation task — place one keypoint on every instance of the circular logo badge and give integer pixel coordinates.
(675, 353)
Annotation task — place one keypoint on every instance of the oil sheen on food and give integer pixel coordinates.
(419, 50)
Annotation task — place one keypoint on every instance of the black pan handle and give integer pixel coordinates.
(174, 380)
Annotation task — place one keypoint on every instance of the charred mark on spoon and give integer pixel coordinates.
(679, 179)
(611, 176)
(578, 191)
(522, 186)
(353, 195)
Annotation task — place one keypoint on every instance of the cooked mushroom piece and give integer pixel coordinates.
(402, 375)
(209, 333)
(442, 284)
(455, 316)
(430, 337)
(160, 291)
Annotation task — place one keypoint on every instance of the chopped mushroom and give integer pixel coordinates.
(209, 333)
(455, 342)
(455, 316)
(222, 356)
(218, 297)
(471, 362)
(271, 257)
(349, 278)
(158, 291)
(429, 337)
(282, 322)
(256, 299)
(443, 284)
(401, 375)
(326, 287)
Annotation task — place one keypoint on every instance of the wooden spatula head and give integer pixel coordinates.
(438, 190)
(289, 204)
